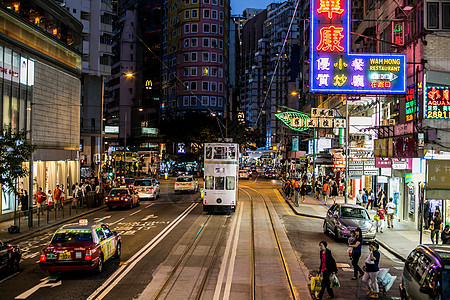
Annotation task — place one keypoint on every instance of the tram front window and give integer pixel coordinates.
(220, 183)
(208, 152)
(231, 152)
(209, 182)
(231, 183)
(220, 153)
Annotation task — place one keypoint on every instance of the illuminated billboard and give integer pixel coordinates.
(333, 69)
(437, 102)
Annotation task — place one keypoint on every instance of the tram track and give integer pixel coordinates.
(254, 287)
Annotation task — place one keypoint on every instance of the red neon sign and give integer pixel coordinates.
(330, 39)
(330, 7)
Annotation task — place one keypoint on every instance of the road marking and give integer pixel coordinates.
(135, 212)
(124, 269)
(109, 224)
(149, 205)
(342, 265)
(347, 269)
(31, 291)
(9, 277)
(277, 193)
(97, 220)
(152, 216)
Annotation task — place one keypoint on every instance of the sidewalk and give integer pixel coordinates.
(399, 241)
(51, 218)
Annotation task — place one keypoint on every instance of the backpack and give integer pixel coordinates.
(79, 193)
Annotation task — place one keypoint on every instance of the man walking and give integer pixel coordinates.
(390, 210)
(40, 199)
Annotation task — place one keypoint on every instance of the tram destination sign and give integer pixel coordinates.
(333, 69)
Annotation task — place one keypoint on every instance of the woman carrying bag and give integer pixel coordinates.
(435, 226)
(328, 269)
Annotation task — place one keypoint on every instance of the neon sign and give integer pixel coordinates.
(294, 120)
(437, 102)
(333, 69)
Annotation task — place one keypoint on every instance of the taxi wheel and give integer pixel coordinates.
(100, 264)
(118, 250)
(15, 265)
(138, 203)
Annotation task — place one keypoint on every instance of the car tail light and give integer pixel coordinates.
(177, 184)
(88, 255)
(190, 183)
(43, 257)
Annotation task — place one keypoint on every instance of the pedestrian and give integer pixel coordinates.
(380, 222)
(49, 200)
(364, 198)
(370, 199)
(341, 187)
(303, 190)
(317, 188)
(378, 199)
(24, 202)
(445, 235)
(325, 189)
(356, 245)
(57, 197)
(435, 226)
(334, 191)
(327, 268)
(40, 199)
(372, 267)
(359, 200)
(288, 189)
(426, 214)
(383, 199)
(390, 210)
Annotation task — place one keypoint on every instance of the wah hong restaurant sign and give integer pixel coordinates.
(333, 69)
(437, 102)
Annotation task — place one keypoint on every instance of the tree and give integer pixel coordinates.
(15, 149)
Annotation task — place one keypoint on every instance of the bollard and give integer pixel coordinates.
(296, 197)
(165, 175)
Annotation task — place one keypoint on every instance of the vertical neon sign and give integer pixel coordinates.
(334, 69)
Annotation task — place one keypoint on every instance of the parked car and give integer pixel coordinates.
(270, 173)
(244, 174)
(122, 196)
(186, 183)
(81, 246)
(426, 274)
(9, 257)
(129, 182)
(342, 218)
(147, 188)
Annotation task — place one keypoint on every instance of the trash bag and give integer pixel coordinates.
(334, 281)
(316, 283)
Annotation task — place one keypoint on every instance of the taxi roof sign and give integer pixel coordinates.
(83, 222)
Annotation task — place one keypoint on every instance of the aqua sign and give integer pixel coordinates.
(333, 69)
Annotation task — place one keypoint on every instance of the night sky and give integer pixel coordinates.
(238, 6)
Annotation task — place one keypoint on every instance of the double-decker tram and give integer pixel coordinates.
(221, 163)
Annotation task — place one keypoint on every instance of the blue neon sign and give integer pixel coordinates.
(333, 69)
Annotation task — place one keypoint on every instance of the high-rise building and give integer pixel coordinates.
(97, 18)
(195, 57)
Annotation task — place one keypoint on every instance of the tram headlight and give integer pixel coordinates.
(219, 200)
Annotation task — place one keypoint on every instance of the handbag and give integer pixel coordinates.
(376, 218)
(431, 226)
(316, 283)
(334, 281)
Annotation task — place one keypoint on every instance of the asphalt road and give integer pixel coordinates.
(150, 243)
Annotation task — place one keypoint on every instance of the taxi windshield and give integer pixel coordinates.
(143, 183)
(72, 236)
(184, 179)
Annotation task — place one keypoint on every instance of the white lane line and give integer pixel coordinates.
(31, 291)
(227, 289)
(109, 224)
(225, 258)
(149, 205)
(11, 276)
(124, 269)
(135, 212)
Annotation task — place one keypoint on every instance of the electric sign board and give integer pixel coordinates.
(333, 69)
(437, 102)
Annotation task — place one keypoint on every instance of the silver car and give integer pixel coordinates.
(147, 188)
(342, 218)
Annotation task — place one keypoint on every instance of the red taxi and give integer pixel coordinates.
(80, 247)
(122, 196)
(9, 257)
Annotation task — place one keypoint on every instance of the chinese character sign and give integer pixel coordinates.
(334, 69)
(437, 102)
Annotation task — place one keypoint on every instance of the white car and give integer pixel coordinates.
(186, 183)
(147, 188)
(243, 174)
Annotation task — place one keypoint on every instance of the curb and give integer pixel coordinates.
(54, 224)
(381, 243)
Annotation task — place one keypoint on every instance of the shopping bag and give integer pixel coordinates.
(316, 283)
(431, 226)
(334, 281)
(376, 218)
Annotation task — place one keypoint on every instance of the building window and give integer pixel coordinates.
(220, 44)
(186, 86)
(205, 56)
(186, 2)
(214, 14)
(186, 43)
(206, 28)
(206, 1)
(221, 15)
(220, 58)
(186, 28)
(220, 102)
(433, 15)
(205, 100)
(205, 42)
(213, 28)
(206, 13)
(213, 101)
(221, 2)
(194, 56)
(205, 86)
(220, 29)
(186, 57)
(214, 43)
(193, 71)
(220, 87)
(186, 101)
(193, 101)
(195, 13)
(194, 1)
(194, 28)
(213, 86)
(193, 85)
(186, 71)
(205, 71)
(213, 57)
(213, 71)
(194, 42)
(187, 14)
(220, 72)
(445, 15)
(214, 2)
